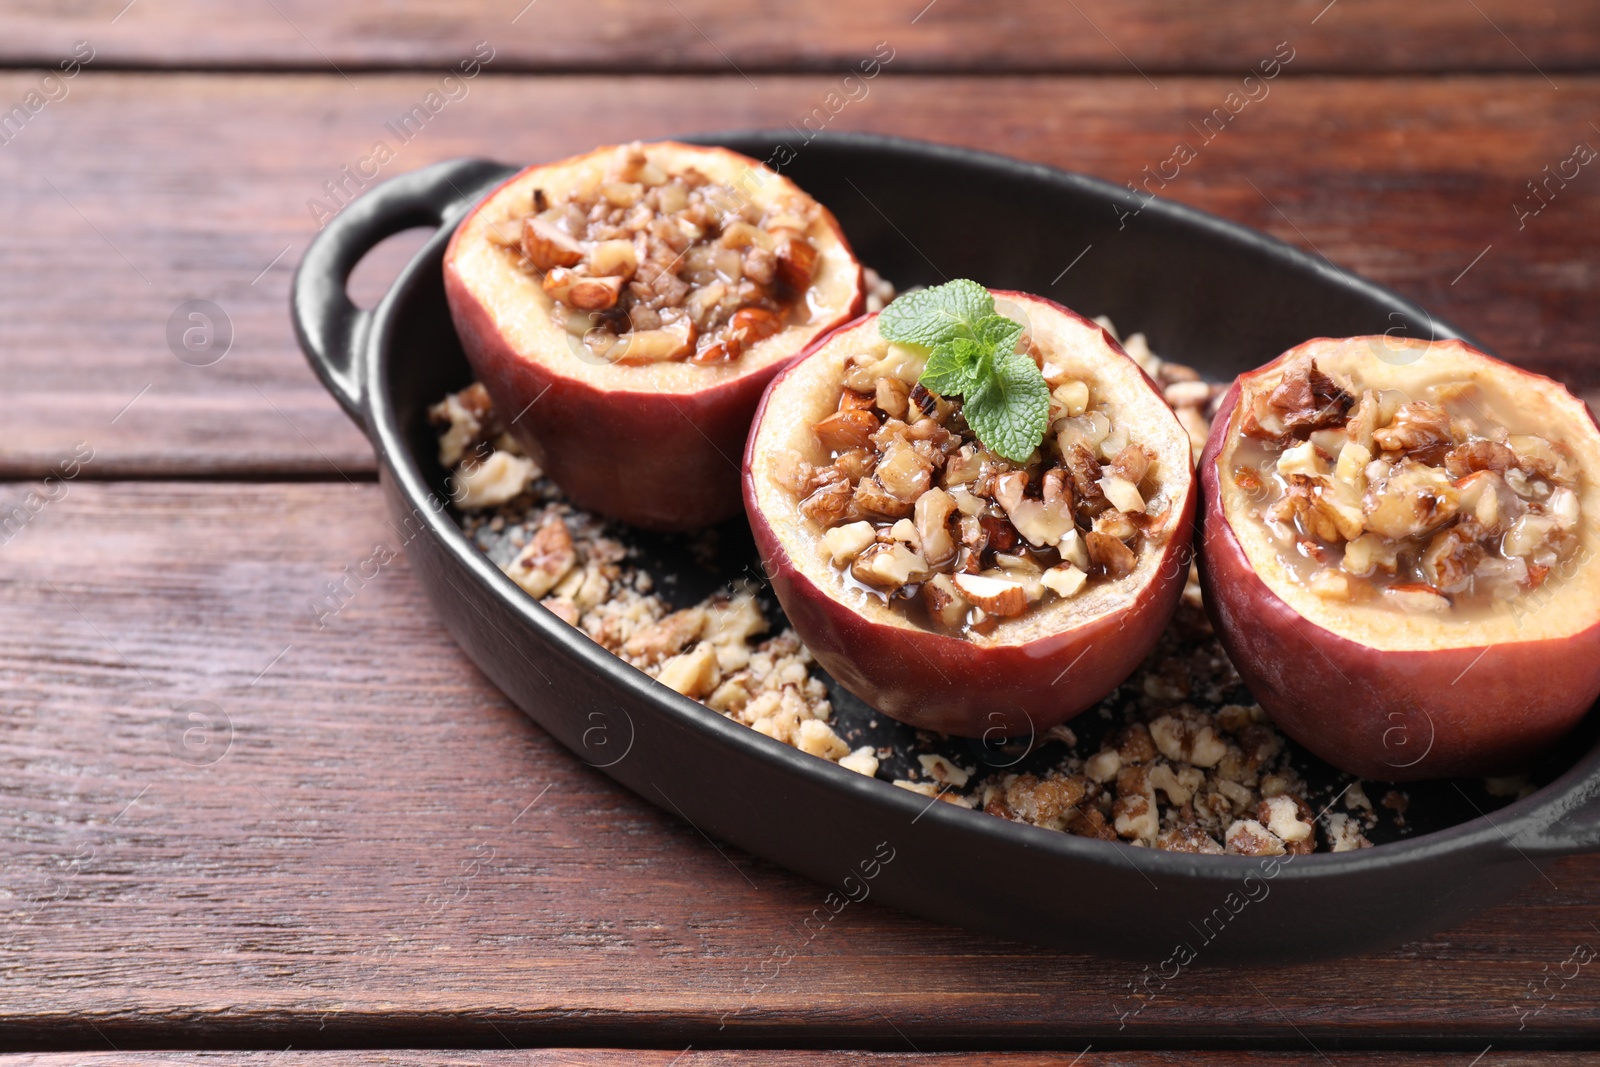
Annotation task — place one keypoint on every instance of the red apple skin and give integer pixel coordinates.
(934, 682)
(1386, 715)
(655, 460)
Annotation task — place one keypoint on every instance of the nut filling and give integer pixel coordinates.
(1425, 503)
(650, 265)
(917, 512)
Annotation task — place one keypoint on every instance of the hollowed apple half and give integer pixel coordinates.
(1030, 672)
(1382, 693)
(655, 445)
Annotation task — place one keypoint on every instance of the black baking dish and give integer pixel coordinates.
(1209, 293)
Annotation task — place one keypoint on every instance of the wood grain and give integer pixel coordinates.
(359, 842)
(137, 193)
(629, 36)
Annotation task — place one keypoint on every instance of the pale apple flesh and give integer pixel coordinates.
(1380, 693)
(1031, 672)
(655, 445)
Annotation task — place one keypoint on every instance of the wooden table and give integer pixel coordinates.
(226, 830)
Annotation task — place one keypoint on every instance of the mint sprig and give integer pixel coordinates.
(973, 354)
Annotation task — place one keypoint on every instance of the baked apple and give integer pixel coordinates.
(1397, 554)
(977, 528)
(626, 308)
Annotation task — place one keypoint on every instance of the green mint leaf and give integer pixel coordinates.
(1010, 410)
(1000, 333)
(955, 367)
(930, 317)
(974, 356)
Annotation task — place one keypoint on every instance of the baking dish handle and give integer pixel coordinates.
(331, 328)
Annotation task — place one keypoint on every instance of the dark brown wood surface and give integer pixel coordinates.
(225, 827)
(140, 192)
(629, 36)
(361, 842)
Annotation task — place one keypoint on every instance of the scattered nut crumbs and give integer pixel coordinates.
(1179, 768)
(713, 652)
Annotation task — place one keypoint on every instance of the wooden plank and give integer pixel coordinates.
(359, 842)
(629, 36)
(139, 193)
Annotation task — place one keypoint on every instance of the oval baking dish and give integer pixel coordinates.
(1218, 296)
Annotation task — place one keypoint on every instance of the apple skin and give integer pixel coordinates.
(655, 460)
(935, 682)
(661, 461)
(1383, 714)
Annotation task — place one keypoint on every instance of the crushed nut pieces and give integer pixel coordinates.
(655, 264)
(1422, 503)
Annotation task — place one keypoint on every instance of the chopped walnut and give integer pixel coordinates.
(1306, 399)
(1344, 834)
(1451, 559)
(1135, 817)
(1247, 837)
(466, 420)
(874, 500)
(1109, 554)
(830, 502)
(546, 560)
(943, 771)
(1426, 505)
(817, 738)
(1289, 820)
(694, 673)
(1189, 839)
(1135, 744)
(1478, 455)
(863, 761)
(1182, 739)
(1317, 512)
(668, 637)
(1416, 425)
(1412, 499)
(500, 478)
(889, 565)
(1103, 766)
(656, 263)
(1046, 802)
